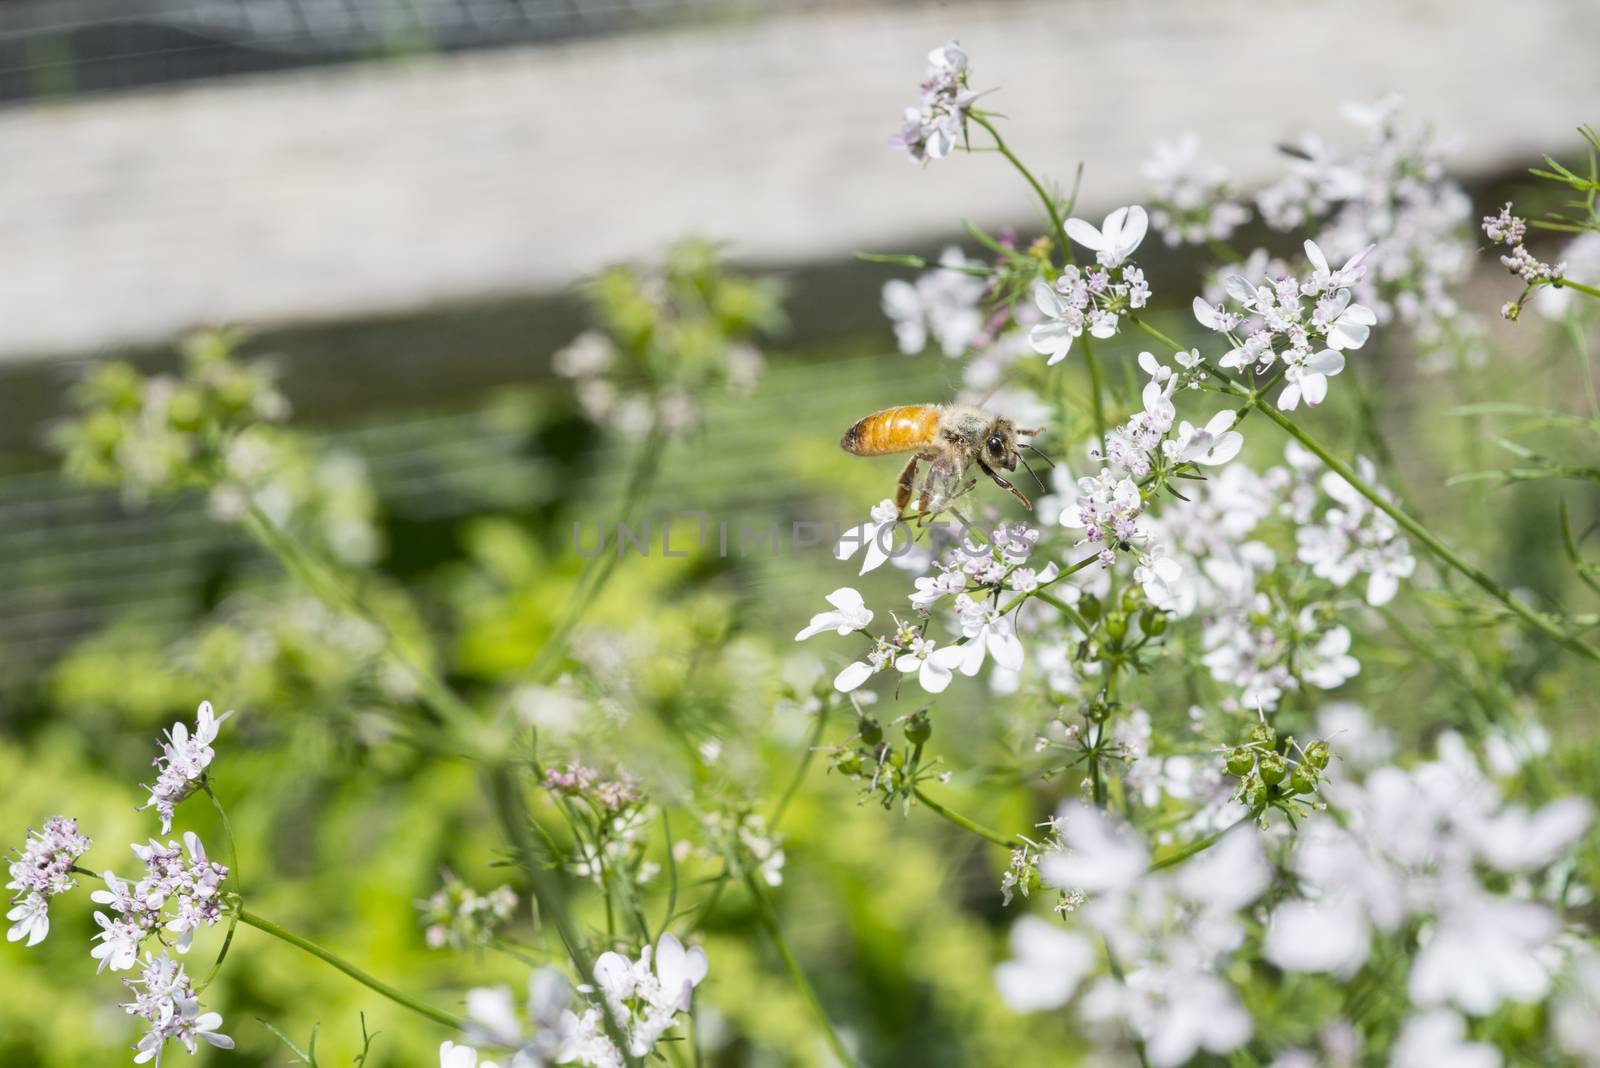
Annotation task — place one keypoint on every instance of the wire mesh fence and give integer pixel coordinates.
(53, 48)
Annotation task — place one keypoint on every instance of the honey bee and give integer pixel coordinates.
(951, 439)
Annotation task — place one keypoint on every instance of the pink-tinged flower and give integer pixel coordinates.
(39, 871)
(183, 761)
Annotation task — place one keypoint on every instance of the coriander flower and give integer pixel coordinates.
(42, 869)
(165, 998)
(1306, 375)
(30, 919)
(454, 1056)
(1323, 279)
(1116, 238)
(989, 632)
(183, 761)
(850, 614)
(1436, 1038)
(876, 536)
(647, 1000)
(932, 128)
(933, 665)
(1047, 965)
(1063, 323)
(1212, 444)
(853, 676)
(942, 302)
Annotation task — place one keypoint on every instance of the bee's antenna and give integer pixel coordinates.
(1030, 470)
(1041, 452)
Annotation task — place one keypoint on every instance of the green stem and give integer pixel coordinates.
(1567, 283)
(323, 582)
(1201, 846)
(1045, 198)
(961, 821)
(378, 986)
(1099, 409)
(800, 770)
(1533, 616)
(513, 815)
(233, 873)
(1116, 971)
(597, 572)
(769, 921)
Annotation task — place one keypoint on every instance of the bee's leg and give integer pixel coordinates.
(1003, 484)
(903, 489)
(935, 471)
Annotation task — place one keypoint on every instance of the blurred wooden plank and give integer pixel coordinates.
(377, 190)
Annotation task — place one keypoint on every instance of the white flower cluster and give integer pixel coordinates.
(590, 360)
(1253, 638)
(164, 998)
(1109, 505)
(942, 303)
(760, 845)
(645, 998)
(934, 125)
(456, 915)
(183, 762)
(1356, 538)
(1191, 202)
(329, 497)
(42, 869)
(979, 576)
(1166, 934)
(192, 888)
(1272, 323)
(1418, 849)
(1095, 299)
(1392, 191)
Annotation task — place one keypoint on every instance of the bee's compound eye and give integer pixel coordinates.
(996, 445)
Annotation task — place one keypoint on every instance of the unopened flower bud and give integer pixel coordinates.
(1089, 607)
(871, 730)
(1263, 734)
(1304, 779)
(1153, 622)
(1273, 769)
(919, 728)
(848, 762)
(1116, 626)
(1317, 754)
(1240, 761)
(1255, 791)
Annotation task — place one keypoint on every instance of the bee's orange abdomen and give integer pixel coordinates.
(903, 429)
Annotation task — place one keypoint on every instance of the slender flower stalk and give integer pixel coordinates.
(1058, 228)
(769, 922)
(1253, 397)
(366, 979)
(963, 822)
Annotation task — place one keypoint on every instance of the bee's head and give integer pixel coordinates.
(1000, 445)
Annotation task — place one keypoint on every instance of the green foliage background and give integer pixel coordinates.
(896, 916)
